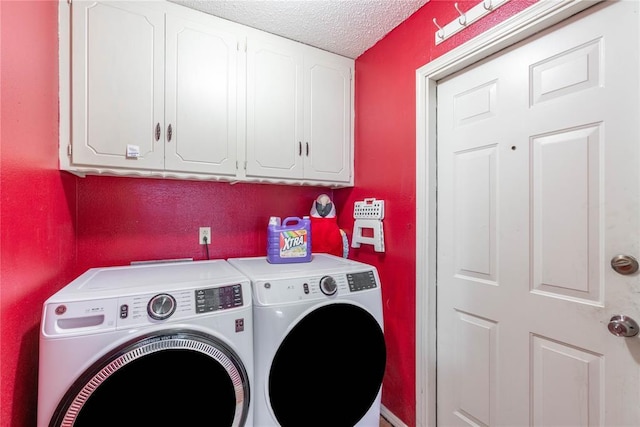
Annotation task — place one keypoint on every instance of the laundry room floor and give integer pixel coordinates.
(384, 423)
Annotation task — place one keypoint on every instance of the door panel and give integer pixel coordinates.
(274, 109)
(566, 384)
(566, 240)
(201, 96)
(475, 343)
(328, 118)
(121, 95)
(538, 189)
(475, 235)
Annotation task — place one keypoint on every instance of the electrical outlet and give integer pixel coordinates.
(205, 232)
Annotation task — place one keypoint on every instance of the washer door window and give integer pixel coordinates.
(329, 368)
(169, 379)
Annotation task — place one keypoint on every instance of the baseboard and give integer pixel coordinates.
(389, 416)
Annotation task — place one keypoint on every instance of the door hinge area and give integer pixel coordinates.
(69, 150)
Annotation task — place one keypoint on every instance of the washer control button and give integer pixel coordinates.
(328, 285)
(161, 306)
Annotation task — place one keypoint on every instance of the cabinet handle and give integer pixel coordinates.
(158, 132)
(307, 144)
(169, 133)
(299, 148)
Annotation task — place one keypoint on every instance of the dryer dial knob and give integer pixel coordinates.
(161, 306)
(328, 285)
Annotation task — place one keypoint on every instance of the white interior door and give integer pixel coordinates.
(538, 189)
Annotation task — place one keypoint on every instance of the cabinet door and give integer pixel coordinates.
(118, 79)
(274, 109)
(201, 95)
(328, 113)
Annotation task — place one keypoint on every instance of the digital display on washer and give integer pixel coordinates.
(212, 299)
(361, 281)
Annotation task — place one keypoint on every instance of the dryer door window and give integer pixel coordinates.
(170, 379)
(329, 368)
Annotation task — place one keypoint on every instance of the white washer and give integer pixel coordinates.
(319, 349)
(148, 345)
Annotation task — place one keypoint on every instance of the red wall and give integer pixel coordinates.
(385, 169)
(38, 202)
(131, 219)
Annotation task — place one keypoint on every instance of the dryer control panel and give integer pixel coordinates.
(361, 281)
(327, 286)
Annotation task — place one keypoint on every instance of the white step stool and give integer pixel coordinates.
(368, 213)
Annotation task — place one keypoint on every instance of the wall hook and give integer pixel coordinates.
(440, 32)
(463, 18)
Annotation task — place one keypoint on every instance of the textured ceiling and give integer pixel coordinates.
(345, 27)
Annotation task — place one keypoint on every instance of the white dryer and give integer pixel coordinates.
(319, 348)
(148, 345)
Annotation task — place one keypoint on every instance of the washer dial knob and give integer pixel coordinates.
(161, 307)
(328, 285)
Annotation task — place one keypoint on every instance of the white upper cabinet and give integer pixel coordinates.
(161, 90)
(299, 112)
(274, 108)
(328, 114)
(152, 91)
(118, 85)
(201, 97)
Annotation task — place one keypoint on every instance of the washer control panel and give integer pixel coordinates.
(160, 307)
(93, 316)
(142, 309)
(321, 287)
(213, 299)
(139, 310)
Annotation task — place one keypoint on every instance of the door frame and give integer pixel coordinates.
(539, 16)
